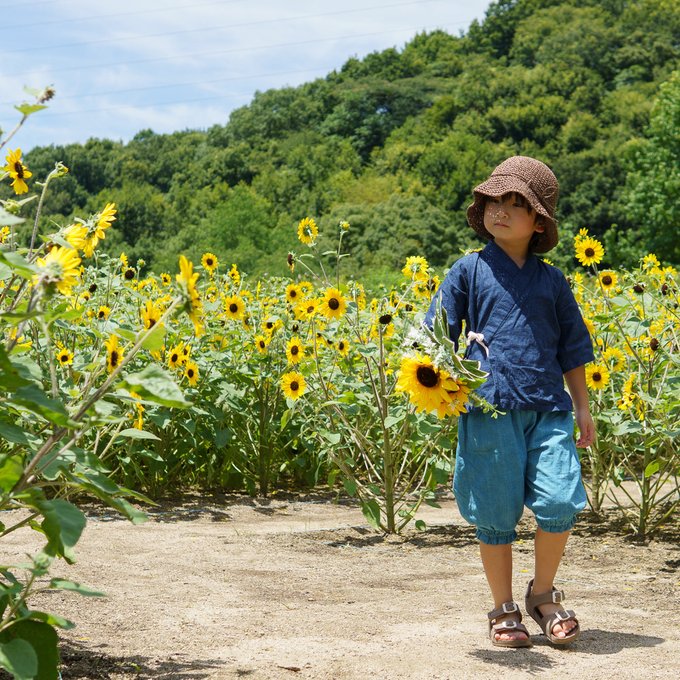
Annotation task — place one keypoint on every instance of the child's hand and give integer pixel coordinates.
(586, 428)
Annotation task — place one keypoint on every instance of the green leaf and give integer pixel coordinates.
(7, 219)
(33, 399)
(134, 433)
(18, 658)
(156, 384)
(420, 525)
(17, 263)
(51, 619)
(28, 109)
(155, 340)
(11, 469)
(10, 379)
(333, 438)
(393, 420)
(64, 584)
(350, 486)
(652, 468)
(13, 433)
(42, 639)
(63, 525)
(371, 511)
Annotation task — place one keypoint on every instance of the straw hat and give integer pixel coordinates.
(532, 179)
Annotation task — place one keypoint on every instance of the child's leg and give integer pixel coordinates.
(497, 561)
(548, 551)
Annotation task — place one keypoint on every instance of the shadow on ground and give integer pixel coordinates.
(94, 664)
(539, 658)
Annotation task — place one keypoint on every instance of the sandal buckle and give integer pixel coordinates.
(509, 607)
(557, 596)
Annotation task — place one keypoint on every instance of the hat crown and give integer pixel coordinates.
(536, 175)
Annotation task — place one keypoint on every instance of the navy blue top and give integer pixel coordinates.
(531, 323)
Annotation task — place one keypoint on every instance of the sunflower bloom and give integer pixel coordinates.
(597, 376)
(209, 262)
(166, 279)
(234, 307)
(295, 350)
(429, 388)
(333, 305)
(176, 356)
(261, 343)
(103, 313)
(306, 310)
(191, 373)
(608, 280)
(114, 353)
(65, 357)
(615, 357)
(151, 314)
(589, 251)
(234, 275)
(293, 293)
(61, 268)
(76, 235)
(342, 346)
(307, 231)
(293, 385)
(415, 268)
(105, 218)
(193, 304)
(18, 172)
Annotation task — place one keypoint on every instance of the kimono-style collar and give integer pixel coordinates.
(496, 255)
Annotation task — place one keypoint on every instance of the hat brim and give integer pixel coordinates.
(497, 186)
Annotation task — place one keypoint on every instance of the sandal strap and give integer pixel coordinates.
(505, 608)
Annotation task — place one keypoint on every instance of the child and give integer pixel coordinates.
(525, 328)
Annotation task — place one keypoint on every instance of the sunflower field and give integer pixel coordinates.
(122, 384)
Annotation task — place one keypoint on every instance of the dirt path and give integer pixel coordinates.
(298, 589)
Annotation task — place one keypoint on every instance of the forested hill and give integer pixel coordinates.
(394, 142)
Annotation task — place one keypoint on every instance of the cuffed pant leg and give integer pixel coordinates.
(488, 480)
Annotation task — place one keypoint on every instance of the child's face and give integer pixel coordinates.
(510, 220)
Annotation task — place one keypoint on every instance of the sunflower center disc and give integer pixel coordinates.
(427, 376)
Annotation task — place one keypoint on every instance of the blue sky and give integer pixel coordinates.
(120, 66)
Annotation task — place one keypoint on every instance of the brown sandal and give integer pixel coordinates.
(507, 626)
(547, 623)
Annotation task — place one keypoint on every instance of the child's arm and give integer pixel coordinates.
(576, 383)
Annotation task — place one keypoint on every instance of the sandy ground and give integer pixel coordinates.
(241, 588)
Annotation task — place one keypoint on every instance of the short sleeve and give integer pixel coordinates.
(453, 293)
(575, 347)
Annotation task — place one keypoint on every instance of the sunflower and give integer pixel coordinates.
(103, 313)
(139, 421)
(61, 268)
(597, 376)
(589, 251)
(430, 388)
(129, 274)
(65, 357)
(234, 275)
(193, 304)
(270, 326)
(608, 280)
(261, 343)
(295, 350)
(191, 373)
(293, 385)
(415, 268)
(650, 261)
(76, 235)
(333, 305)
(166, 279)
(615, 357)
(151, 314)
(234, 307)
(105, 219)
(17, 171)
(342, 346)
(293, 293)
(209, 262)
(305, 309)
(114, 353)
(176, 356)
(307, 231)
